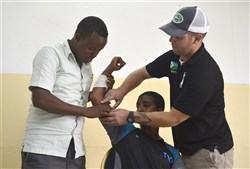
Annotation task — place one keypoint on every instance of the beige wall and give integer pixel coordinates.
(15, 100)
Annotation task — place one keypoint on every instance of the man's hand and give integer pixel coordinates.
(117, 63)
(98, 111)
(113, 94)
(116, 117)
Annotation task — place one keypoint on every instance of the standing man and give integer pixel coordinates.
(200, 130)
(60, 84)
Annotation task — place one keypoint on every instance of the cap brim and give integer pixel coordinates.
(172, 30)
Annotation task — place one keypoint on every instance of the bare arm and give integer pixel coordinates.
(98, 93)
(154, 119)
(161, 119)
(43, 99)
(133, 80)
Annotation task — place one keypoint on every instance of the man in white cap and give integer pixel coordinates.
(197, 116)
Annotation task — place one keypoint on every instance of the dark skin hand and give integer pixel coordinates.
(116, 64)
(43, 99)
(97, 93)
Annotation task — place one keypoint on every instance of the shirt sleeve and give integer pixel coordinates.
(159, 67)
(175, 153)
(45, 66)
(178, 163)
(116, 133)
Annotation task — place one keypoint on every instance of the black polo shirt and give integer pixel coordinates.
(196, 89)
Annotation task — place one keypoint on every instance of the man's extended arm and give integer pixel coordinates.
(101, 87)
(43, 99)
(155, 119)
(133, 80)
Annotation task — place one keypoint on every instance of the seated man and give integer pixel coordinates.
(138, 148)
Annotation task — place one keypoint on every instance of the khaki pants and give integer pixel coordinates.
(205, 159)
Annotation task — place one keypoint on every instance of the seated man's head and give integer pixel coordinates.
(148, 102)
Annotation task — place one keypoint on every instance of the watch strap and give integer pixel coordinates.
(131, 118)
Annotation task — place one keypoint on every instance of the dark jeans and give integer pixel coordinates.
(41, 161)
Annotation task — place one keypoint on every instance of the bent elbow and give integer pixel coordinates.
(95, 101)
(178, 121)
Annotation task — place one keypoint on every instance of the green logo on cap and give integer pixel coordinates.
(178, 18)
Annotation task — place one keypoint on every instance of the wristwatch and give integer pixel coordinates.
(131, 118)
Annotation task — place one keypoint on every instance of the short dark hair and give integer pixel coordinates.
(158, 99)
(92, 24)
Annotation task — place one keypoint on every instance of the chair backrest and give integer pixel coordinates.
(108, 160)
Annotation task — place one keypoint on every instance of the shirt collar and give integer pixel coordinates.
(181, 61)
(67, 50)
(197, 55)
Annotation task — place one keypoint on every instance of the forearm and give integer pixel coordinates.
(43, 99)
(108, 71)
(97, 95)
(154, 120)
(133, 80)
(160, 118)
